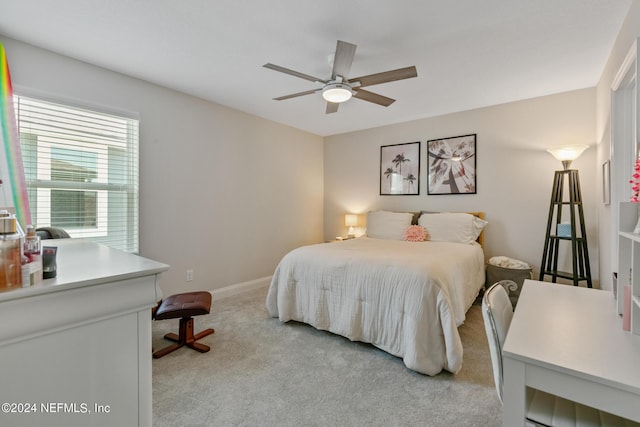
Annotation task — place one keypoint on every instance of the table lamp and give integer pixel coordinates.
(351, 220)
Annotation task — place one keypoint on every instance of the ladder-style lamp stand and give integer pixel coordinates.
(577, 237)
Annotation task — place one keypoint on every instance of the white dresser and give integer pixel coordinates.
(76, 350)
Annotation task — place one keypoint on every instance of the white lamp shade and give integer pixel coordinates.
(351, 220)
(567, 152)
(336, 93)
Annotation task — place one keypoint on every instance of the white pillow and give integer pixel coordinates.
(452, 226)
(388, 225)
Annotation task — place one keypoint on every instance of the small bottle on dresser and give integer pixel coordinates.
(32, 258)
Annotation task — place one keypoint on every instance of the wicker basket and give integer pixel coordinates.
(518, 275)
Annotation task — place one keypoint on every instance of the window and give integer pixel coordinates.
(81, 169)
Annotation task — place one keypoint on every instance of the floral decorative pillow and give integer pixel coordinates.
(416, 233)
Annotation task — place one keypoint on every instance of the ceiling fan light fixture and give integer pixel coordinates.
(337, 92)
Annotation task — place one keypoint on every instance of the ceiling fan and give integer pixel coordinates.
(339, 88)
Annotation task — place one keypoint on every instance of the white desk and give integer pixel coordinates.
(568, 341)
(77, 348)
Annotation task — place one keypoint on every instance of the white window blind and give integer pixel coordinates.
(81, 169)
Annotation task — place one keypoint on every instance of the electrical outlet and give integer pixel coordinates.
(189, 275)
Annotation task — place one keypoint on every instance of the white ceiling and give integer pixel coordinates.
(469, 53)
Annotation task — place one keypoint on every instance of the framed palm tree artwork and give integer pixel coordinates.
(400, 169)
(451, 165)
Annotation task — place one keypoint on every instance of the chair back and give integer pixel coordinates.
(52, 233)
(497, 313)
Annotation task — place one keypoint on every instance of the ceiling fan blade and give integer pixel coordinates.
(342, 59)
(292, 72)
(365, 95)
(386, 76)
(294, 95)
(332, 107)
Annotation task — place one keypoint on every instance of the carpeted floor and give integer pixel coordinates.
(262, 372)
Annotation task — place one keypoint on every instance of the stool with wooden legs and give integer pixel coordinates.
(184, 306)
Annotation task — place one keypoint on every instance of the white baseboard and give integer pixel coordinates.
(239, 288)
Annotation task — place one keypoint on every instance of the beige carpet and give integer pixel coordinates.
(261, 372)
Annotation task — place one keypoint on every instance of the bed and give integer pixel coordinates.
(405, 297)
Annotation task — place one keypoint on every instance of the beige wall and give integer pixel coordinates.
(252, 204)
(514, 172)
(221, 192)
(629, 32)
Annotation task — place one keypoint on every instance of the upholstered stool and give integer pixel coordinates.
(184, 306)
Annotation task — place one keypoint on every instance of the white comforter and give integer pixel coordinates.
(406, 298)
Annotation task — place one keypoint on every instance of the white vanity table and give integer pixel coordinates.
(568, 341)
(76, 350)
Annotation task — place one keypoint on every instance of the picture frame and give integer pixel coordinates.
(400, 169)
(606, 182)
(451, 165)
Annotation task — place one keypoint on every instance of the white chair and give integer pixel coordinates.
(543, 409)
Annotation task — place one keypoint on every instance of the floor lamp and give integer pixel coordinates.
(573, 232)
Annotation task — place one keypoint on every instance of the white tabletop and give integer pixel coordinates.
(574, 330)
(82, 263)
